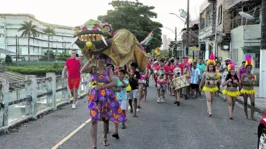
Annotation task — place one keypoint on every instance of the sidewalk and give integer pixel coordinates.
(260, 104)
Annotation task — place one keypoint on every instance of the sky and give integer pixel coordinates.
(77, 12)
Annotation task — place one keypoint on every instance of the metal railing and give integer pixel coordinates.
(26, 99)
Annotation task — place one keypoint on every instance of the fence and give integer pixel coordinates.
(26, 99)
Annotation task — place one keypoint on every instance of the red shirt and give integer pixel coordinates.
(181, 66)
(73, 67)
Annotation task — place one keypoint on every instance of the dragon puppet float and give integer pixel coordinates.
(122, 47)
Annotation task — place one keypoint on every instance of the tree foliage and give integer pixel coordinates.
(137, 18)
(28, 30)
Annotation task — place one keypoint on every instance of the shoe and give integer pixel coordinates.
(129, 108)
(178, 103)
(73, 106)
(139, 106)
(162, 100)
(158, 100)
(137, 109)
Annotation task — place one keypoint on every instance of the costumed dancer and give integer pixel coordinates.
(231, 92)
(209, 80)
(142, 92)
(177, 73)
(248, 82)
(102, 102)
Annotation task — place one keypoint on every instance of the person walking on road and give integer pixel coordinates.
(133, 94)
(248, 82)
(102, 102)
(72, 66)
(194, 79)
(231, 82)
(209, 80)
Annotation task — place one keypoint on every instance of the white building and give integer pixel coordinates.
(9, 25)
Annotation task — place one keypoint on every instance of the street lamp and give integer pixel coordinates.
(178, 17)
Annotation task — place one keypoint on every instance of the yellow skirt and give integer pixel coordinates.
(231, 93)
(246, 91)
(210, 89)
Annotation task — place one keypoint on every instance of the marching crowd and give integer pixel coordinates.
(114, 91)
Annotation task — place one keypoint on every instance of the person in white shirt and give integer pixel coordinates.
(194, 79)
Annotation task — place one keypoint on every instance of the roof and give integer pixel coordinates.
(33, 18)
(204, 5)
(237, 3)
(5, 51)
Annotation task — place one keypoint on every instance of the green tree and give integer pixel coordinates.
(135, 17)
(28, 29)
(50, 32)
(8, 60)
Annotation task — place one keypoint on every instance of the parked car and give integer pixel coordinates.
(262, 132)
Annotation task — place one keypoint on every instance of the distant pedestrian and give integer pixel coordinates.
(72, 66)
(194, 79)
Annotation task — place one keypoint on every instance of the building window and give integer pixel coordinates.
(220, 14)
(257, 60)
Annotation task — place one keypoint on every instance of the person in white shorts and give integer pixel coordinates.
(121, 93)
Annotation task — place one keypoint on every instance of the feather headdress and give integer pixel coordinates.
(211, 60)
(231, 66)
(248, 61)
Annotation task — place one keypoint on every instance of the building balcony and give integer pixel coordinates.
(248, 37)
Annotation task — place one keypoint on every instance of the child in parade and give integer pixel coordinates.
(121, 93)
(161, 82)
(209, 81)
(231, 82)
(247, 82)
(134, 82)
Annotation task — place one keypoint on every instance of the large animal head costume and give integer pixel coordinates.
(122, 47)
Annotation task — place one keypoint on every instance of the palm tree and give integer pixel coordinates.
(50, 31)
(28, 29)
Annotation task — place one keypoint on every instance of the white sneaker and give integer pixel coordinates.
(137, 109)
(158, 100)
(162, 100)
(129, 108)
(73, 106)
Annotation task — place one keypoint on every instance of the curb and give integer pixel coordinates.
(239, 100)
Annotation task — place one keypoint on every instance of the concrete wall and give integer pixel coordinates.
(237, 42)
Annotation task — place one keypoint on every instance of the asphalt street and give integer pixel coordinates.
(159, 126)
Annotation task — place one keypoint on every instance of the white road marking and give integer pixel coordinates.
(71, 134)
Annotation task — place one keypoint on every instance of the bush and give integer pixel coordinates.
(8, 60)
(35, 70)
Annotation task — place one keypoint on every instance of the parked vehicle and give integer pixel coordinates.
(262, 132)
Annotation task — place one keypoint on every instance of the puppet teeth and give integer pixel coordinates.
(104, 40)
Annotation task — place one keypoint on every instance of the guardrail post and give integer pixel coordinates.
(31, 92)
(4, 102)
(51, 99)
(65, 92)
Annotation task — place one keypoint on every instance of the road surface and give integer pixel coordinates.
(159, 126)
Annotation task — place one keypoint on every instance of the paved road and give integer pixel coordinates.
(159, 126)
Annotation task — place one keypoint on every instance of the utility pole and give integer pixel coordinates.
(175, 46)
(16, 48)
(187, 47)
(262, 87)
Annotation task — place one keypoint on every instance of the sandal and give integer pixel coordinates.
(105, 143)
(115, 135)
